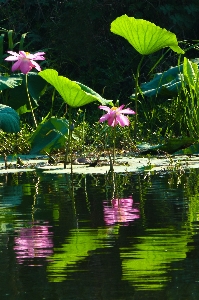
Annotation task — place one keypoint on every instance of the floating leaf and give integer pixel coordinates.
(144, 36)
(49, 136)
(170, 146)
(9, 119)
(73, 93)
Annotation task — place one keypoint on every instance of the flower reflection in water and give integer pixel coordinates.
(33, 242)
(120, 211)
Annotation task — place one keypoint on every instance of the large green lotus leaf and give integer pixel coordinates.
(9, 82)
(144, 36)
(49, 136)
(73, 93)
(90, 91)
(167, 83)
(9, 119)
(17, 97)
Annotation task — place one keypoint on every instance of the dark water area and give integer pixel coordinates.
(119, 236)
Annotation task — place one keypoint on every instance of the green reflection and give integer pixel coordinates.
(78, 246)
(145, 265)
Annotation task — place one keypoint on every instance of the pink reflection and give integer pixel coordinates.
(120, 211)
(33, 242)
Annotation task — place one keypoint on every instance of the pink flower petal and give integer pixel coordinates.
(104, 118)
(36, 65)
(123, 120)
(23, 54)
(127, 111)
(13, 53)
(39, 56)
(120, 107)
(11, 58)
(104, 107)
(16, 65)
(112, 120)
(25, 66)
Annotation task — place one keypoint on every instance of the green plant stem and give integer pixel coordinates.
(114, 137)
(69, 144)
(35, 121)
(83, 131)
(136, 96)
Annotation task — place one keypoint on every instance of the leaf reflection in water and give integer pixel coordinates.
(120, 211)
(33, 242)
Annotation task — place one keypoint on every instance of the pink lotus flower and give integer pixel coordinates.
(120, 211)
(115, 115)
(25, 61)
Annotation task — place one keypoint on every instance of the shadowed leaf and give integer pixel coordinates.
(9, 119)
(49, 136)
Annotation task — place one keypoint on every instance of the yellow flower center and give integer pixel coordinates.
(27, 53)
(114, 108)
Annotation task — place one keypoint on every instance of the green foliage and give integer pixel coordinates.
(9, 82)
(76, 35)
(18, 98)
(15, 143)
(165, 84)
(49, 136)
(9, 119)
(144, 36)
(73, 93)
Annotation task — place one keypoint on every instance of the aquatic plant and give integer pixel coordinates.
(75, 95)
(115, 116)
(25, 62)
(146, 38)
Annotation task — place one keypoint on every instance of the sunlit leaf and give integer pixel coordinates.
(190, 72)
(73, 93)
(9, 82)
(144, 36)
(9, 119)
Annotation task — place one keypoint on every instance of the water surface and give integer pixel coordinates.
(123, 236)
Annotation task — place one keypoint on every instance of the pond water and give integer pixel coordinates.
(116, 236)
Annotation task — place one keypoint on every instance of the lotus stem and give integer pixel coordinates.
(136, 96)
(35, 121)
